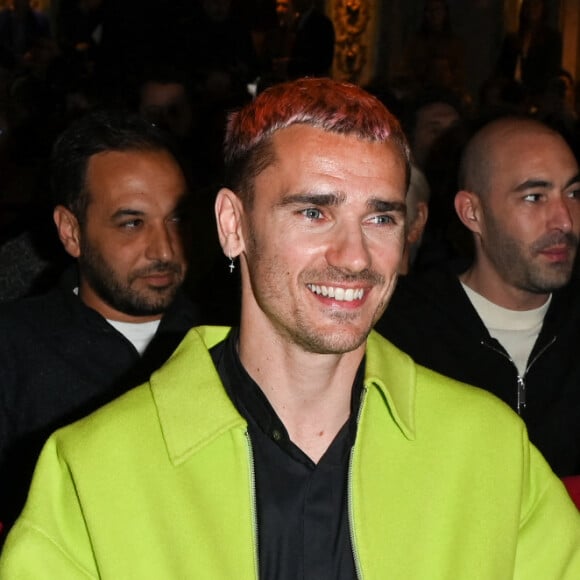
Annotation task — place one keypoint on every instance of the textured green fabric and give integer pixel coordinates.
(158, 485)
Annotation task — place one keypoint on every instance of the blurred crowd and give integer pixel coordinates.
(184, 65)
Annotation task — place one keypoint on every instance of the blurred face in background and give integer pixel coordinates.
(435, 15)
(285, 11)
(217, 10)
(431, 122)
(167, 106)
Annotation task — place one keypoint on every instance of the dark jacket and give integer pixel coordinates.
(60, 360)
(431, 318)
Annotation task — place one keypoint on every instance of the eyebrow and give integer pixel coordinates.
(533, 184)
(335, 199)
(126, 212)
(323, 199)
(575, 179)
(542, 183)
(381, 205)
(182, 207)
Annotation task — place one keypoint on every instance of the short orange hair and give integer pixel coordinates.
(333, 106)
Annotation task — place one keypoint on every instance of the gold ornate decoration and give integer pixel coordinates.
(351, 18)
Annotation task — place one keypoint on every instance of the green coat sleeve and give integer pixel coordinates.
(50, 538)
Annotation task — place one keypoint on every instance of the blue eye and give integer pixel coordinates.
(312, 213)
(383, 219)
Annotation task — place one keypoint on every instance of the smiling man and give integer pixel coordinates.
(509, 322)
(301, 444)
(118, 313)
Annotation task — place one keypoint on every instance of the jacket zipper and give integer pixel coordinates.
(355, 555)
(521, 380)
(253, 502)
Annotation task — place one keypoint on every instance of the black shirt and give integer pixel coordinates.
(302, 512)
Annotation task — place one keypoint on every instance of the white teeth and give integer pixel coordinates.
(340, 294)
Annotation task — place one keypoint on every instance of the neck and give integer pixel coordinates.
(310, 392)
(489, 284)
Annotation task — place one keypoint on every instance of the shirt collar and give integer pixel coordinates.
(249, 398)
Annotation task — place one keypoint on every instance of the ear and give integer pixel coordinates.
(68, 230)
(467, 206)
(418, 225)
(228, 212)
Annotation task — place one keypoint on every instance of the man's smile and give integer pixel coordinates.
(337, 292)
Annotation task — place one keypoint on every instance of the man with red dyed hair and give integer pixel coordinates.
(301, 444)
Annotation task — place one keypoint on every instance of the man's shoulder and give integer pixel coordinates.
(182, 313)
(37, 311)
(175, 400)
(442, 388)
(426, 304)
(431, 390)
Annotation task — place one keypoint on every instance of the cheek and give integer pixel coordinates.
(181, 242)
(120, 253)
(388, 253)
(523, 232)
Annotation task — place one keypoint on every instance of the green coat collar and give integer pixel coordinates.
(185, 389)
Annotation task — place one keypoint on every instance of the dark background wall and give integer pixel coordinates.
(481, 24)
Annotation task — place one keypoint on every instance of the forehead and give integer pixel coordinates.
(540, 155)
(124, 177)
(311, 158)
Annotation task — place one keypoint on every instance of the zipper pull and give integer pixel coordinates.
(521, 404)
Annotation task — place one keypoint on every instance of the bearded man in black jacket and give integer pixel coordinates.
(510, 322)
(115, 317)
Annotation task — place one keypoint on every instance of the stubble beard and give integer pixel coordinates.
(522, 266)
(120, 294)
(292, 322)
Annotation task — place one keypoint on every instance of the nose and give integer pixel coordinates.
(562, 214)
(348, 249)
(161, 244)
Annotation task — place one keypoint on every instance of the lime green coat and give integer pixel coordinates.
(444, 485)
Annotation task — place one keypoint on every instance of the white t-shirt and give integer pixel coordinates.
(139, 334)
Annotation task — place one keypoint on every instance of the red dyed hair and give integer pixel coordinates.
(336, 107)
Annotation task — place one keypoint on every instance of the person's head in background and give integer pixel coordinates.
(532, 14)
(164, 99)
(217, 10)
(416, 219)
(436, 18)
(121, 196)
(285, 12)
(519, 196)
(432, 114)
